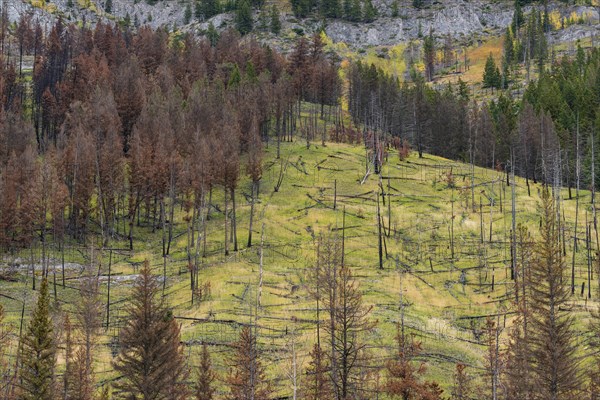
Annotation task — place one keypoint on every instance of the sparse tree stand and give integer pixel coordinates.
(38, 353)
(150, 360)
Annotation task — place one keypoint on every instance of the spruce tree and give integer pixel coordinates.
(205, 378)
(38, 353)
(275, 20)
(243, 18)
(150, 360)
(491, 73)
(108, 6)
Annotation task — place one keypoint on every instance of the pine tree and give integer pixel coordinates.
(38, 352)
(108, 6)
(418, 3)
(275, 25)
(246, 380)
(556, 366)
(150, 359)
(243, 18)
(205, 377)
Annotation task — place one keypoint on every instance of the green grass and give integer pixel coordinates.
(419, 260)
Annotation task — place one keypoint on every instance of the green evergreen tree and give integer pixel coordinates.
(395, 11)
(369, 11)
(546, 24)
(275, 20)
(301, 8)
(509, 49)
(491, 73)
(463, 90)
(212, 34)
(418, 3)
(251, 74)
(429, 56)
(347, 9)
(187, 15)
(243, 18)
(108, 6)
(330, 8)
(38, 352)
(206, 9)
(198, 14)
(518, 18)
(355, 11)
(235, 78)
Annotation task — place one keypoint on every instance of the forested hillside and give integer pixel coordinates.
(206, 217)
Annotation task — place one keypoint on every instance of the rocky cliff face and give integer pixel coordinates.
(460, 19)
(456, 18)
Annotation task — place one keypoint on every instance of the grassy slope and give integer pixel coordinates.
(421, 218)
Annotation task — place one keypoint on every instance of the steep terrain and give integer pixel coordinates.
(446, 259)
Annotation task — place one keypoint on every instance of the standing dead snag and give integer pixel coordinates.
(254, 170)
(79, 374)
